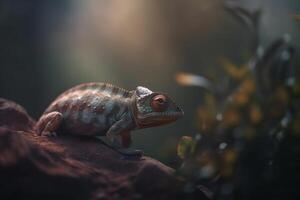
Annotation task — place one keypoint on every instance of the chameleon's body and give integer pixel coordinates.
(100, 109)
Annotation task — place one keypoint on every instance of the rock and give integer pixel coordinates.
(68, 167)
(14, 116)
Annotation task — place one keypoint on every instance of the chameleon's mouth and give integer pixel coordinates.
(157, 118)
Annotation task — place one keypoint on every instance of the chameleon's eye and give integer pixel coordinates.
(159, 103)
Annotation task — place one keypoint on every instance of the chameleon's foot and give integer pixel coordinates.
(49, 123)
(49, 134)
(131, 152)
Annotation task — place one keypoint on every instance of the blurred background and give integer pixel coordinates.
(50, 46)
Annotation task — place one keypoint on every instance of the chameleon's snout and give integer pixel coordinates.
(175, 111)
(157, 119)
(180, 111)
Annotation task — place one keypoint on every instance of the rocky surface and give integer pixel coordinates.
(65, 167)
(14, 116)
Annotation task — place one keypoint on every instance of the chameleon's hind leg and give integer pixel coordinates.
(49, 123)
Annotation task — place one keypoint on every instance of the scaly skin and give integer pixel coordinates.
(100, 109)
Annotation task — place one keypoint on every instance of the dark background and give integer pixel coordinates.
(48, 46)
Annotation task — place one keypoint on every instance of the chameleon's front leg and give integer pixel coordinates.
(119, 137)
(49, 123)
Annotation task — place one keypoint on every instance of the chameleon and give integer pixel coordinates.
(102, 109)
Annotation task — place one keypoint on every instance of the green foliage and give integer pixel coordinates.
(243, 120)
(186, 147)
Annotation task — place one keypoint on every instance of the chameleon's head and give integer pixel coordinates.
(154, 108)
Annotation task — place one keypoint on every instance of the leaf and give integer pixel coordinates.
(247, 18)
(248, 86)
(206, 119)
(240, 98)
(229, 158)
(274, 67)
(187, 79)
(186, 146)
(282, 95)
(210, 102)
(234, 71)
(255, 114)
(231, 117)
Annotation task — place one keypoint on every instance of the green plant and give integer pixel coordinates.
(245, 119)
